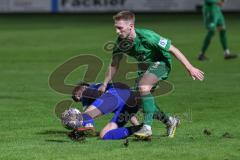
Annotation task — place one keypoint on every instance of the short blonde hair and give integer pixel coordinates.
(124, 15)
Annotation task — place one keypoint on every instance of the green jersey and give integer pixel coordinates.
(212, 7)
(147, 47)
(212, 14)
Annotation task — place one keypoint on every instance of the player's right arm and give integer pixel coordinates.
(111, 71)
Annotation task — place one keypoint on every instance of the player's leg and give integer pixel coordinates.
(107, 128)
(87, 118)
(171, 122)
(222, 34)
(112, 132)
(223, 38)
(210, 23)
(156, 72)
(114, 129)
(206, 43)
(160, 115)
(105, 104)
(89, 115)
(148, 104)
(161, 71)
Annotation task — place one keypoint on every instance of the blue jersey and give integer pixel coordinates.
(88, 101)
(118, 99)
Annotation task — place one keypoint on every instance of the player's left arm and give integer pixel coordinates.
(194, 72)
(162, 43)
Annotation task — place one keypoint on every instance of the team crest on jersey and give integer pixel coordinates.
(163, 42)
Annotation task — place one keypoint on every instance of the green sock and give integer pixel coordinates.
(207, 41)
(223, 39)
(148, 108)
(160, 115)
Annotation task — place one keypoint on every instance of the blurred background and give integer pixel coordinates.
(88, 6)
(38, 36)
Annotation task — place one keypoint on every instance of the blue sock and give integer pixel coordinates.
(119, 133)
(87, 119)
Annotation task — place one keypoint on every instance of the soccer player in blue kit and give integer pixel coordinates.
(118, 99)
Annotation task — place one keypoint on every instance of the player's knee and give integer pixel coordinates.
(103, 133)
(212, 26)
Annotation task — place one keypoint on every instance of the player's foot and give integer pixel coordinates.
(172, 124)
(88, 131)
(75, 135)
(230, 56)
(143, 133)
(82, 133)
(202, 57)
(83, 129)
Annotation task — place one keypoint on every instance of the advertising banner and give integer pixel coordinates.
(25, 6)
(80, 6)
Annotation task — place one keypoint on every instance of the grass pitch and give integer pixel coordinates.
(33, 46)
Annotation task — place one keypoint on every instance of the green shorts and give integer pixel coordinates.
(214, 20)
(159, 69)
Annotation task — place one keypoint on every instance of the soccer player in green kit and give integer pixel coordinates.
(213, 18)
(153, 53)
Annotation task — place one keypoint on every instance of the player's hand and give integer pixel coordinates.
(102, 88)
(196, 73)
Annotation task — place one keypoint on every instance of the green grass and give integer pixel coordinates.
(33, 46)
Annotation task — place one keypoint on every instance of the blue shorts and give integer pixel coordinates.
(112, 100)
(123, 115)
(117, 101)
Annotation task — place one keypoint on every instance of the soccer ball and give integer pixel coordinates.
(71, 118)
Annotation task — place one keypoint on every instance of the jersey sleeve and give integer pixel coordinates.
(88, 100)
(159, 42)
(163, 43)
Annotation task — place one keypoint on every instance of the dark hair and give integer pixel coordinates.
(124, 15)
(78, 91)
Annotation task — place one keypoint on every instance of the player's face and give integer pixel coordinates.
(123, 28)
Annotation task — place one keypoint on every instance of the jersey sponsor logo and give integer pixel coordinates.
(163, 42)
